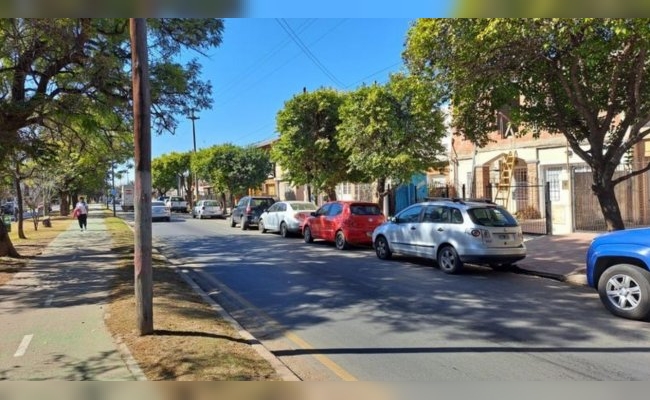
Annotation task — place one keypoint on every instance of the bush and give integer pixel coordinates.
(528, 213)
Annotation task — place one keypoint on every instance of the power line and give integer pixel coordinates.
(268, 74)
(261, 61)
(373, 74)
(287, 28)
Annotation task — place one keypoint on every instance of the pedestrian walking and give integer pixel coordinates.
(81, 213)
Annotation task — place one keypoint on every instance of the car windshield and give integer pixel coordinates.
(303, 206)
(491, 216)
(157, 204)
(211, 203)
(365, 209)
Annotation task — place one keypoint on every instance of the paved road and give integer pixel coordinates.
(347, 315)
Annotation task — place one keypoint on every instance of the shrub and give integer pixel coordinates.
(529, 212)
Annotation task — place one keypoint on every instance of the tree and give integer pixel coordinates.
(308, 149)
(56, 68)
(170, 169)
(393, 130)
(232, 169)
(586, 79)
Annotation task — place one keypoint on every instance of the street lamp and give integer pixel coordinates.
(196, 178)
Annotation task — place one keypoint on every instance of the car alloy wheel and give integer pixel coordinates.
(283, 230)
(307, 235)
(624, 290)
(340, 241)
(448, 260)
(382, 249)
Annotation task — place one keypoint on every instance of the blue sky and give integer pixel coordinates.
(258, 67)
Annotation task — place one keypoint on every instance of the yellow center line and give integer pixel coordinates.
(297, 340)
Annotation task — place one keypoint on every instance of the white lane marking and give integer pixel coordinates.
(22, 348)
(48, 301)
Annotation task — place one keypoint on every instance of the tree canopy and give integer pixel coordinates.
(307, 148)
(586, 79)
(393, 130)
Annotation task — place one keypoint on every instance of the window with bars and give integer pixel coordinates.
(552, 177)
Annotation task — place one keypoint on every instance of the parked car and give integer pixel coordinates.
(8, 208)
(160, 211)
(286, 217)
(453, 232)
(344, 223)
(618, 266)
(248, 210)
(177, 203)
(207, 209)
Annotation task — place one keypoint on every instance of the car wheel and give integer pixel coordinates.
(624, 289)
(200, 216)
(244, 225)
(448, 260)
(169, 219)
(232, 221)
(261, 227)
(284, 232)
(193, 215)
(382, 249)
(307, 235)
(340, 241)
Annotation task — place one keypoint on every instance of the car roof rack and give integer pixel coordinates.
(459, 200)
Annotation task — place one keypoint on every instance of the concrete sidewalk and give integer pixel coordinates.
(560, 257)
(52, 313)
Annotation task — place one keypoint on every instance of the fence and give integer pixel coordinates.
(633, 196)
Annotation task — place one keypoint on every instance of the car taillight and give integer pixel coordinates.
(482, 234)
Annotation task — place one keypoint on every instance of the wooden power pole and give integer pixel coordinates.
(143, 270)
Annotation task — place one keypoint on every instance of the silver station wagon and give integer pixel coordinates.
(453, 232)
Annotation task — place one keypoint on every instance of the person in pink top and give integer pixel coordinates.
(81, 213)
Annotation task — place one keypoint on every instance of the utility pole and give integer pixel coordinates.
(196, 177)
(143, 270)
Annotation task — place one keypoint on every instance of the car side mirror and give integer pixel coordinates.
(313, 213)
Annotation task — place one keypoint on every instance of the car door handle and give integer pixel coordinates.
(441, 229)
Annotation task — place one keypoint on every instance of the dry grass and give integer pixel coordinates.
(190, 342)
(32, 246)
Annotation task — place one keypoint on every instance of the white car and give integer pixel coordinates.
(453, 232)
(286, 217)
(159, 211)
(207, 209)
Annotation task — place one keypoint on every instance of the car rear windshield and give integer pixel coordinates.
(157, 204)
(303, 206)
(211, 203)
(262, 202)
(365, 209)
(491, 216)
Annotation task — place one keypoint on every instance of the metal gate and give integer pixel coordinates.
(530, 204)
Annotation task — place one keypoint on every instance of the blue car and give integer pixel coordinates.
(618, 266)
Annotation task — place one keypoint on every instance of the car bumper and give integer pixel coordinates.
(359, 236)
(500, 256)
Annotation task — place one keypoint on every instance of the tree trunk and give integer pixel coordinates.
(19, 203)
(381, 191)
(7, 248)
(331, 194)
(609, 205)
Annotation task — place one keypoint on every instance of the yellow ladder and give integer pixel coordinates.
(504, 187)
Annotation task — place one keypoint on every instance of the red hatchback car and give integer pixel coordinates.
(344, 223)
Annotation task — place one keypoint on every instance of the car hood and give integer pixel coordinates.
(639, 236)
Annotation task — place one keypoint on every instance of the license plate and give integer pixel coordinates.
(504, 237)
